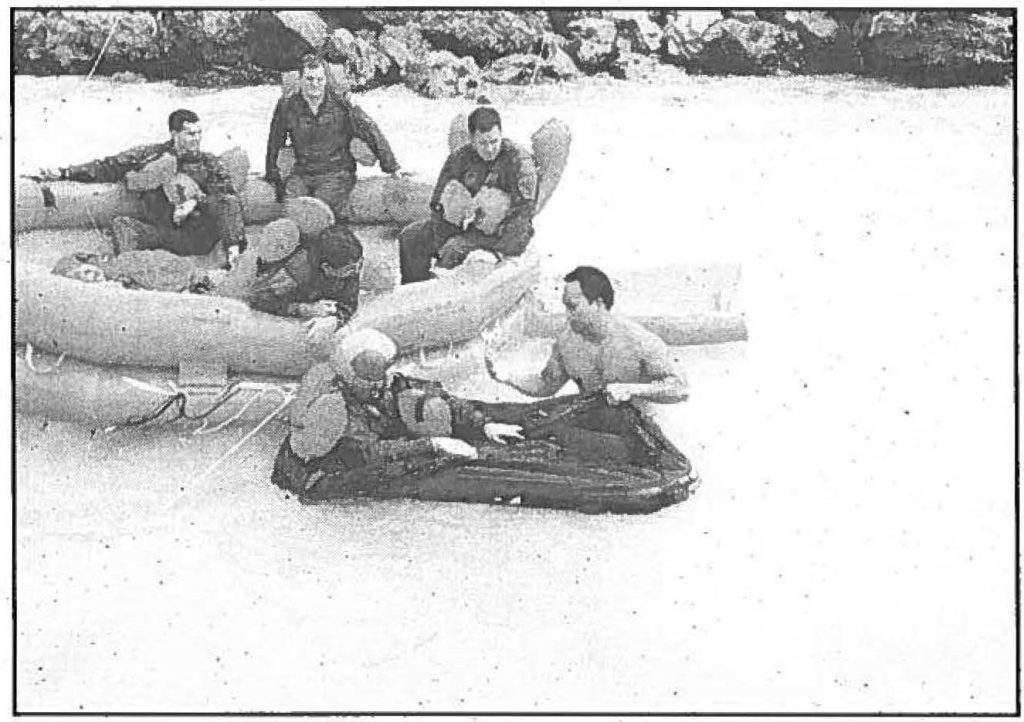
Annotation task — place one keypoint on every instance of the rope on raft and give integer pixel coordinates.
(177, 402)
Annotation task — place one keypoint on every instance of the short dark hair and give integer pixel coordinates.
(483, 119)
(594, 284)
(176, 120)
(310, 61)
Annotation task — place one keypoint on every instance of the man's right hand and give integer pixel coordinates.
(453, 447)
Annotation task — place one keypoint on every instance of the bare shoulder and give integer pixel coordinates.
(638, 336)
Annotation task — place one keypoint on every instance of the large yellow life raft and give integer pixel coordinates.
(110, 332)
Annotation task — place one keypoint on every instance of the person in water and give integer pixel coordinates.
(281, 272)
(600, 351)
(321, 125)
(350, 412)
(191, 207)
(489, 165)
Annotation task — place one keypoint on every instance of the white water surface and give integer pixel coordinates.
(851, 548)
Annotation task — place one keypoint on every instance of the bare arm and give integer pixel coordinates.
(551, 379)
(666, 385)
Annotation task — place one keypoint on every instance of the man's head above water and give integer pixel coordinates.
(186, 133)
(485, 132)
(588, 297)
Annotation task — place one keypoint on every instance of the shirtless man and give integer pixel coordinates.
(600, 351)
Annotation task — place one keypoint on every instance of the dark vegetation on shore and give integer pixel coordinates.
(452, 52)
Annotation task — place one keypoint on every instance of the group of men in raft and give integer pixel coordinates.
(192, 238)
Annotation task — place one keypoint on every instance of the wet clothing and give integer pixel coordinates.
(217, 217)
(325, 268)
(512, 171)
(149, 270)
(377, 438)
(324, 164)
(333, 189)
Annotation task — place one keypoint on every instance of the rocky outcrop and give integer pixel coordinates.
(746, 46)
(592, 43)
(441, 74)
(933, 49)
(683, 33)
(827, 46)
(378, 47)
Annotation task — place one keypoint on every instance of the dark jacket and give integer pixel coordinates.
(205, 169)
(321, 140)
(512, 171)
(326, 268)
(376, 433)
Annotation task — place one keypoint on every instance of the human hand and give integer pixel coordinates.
(619, 393)
(183, 211)
(453, 447)
(399, 174)
(502, 433)
(323, 307)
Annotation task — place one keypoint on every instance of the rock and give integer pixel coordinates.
(683, 32)
(745, 47)
(441, 74)
(635, 67)
(127, 76)
(935, 49)
(592, 43)
(273, 45)
(307, 24)
(522, 69)
(828, 47)
(643, 34)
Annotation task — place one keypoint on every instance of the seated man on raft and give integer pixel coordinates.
(348, 415)
(600, 351)
(484, 198)
(190, 203)
(321, 125)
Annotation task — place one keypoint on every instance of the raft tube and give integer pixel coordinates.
(579, 454)
(105, 323)
(105, 396)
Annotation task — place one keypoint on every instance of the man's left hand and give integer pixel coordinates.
(619, 393)
(503, 433)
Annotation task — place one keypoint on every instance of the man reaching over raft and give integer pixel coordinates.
(484, 198)
(600, 351)
(347, 416)
(190, 203)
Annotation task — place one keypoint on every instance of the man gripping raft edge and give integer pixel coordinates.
(601, 351)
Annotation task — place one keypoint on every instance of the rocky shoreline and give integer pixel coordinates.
(441, 53)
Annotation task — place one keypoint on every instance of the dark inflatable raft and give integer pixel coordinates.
(579, 453)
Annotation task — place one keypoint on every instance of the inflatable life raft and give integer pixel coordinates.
(112, 333)
(579, 453)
